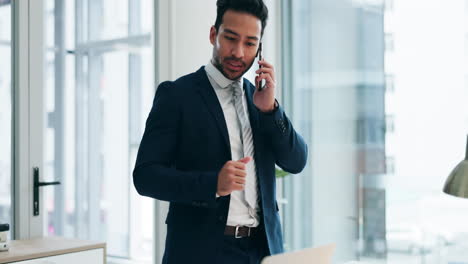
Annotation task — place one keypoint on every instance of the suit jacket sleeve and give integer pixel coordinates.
(155, 174)
(289, 147)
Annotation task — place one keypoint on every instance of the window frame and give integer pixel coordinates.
(27, 50)
(28, 126)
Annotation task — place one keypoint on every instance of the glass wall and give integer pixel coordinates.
(6, 100)
(377, 89)
(99, 89)
(335, 96)
(428, 67)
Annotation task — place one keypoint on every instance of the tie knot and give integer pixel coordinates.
(236, 89)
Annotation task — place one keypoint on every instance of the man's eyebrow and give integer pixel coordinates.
(237, 34)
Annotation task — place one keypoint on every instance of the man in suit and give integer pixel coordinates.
(210, 146)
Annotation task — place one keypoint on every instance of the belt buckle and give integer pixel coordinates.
(237, 232)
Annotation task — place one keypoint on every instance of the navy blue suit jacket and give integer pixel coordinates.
(185, 145)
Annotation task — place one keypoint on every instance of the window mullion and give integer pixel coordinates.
(22, 192)
(28, 86)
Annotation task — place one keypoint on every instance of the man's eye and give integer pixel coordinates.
(250, 44)
(229, 38)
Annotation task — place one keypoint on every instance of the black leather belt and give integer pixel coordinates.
(240, 231)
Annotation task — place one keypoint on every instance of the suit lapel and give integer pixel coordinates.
(211, 100)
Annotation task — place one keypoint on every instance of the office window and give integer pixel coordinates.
(389, 42)
(390, 124)
(466, 7)
(389, 5)
(466, 40)
(423, 224)
(389, 83)
(377, 195)
(99, 89)
(6, 139)
(390, 165)
(336, 101)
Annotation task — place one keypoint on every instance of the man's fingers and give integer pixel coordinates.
(240, 180)
(246, 160)
(266, 71)
(238, 187)
(240, 173)
(266, 64)
(240, 164)
(266, 77)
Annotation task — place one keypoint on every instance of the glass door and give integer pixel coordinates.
(98, 90)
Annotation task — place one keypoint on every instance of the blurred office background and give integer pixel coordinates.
(378, 89)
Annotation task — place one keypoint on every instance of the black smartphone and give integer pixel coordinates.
(260, 85)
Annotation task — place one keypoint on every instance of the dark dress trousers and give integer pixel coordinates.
(185, 145)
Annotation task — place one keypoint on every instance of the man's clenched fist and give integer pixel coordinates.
(232, 176)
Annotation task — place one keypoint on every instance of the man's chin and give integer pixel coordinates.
(233, 75)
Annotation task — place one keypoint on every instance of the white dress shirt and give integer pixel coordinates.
(240, 214)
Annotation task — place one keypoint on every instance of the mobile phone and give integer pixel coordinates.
(260, 85)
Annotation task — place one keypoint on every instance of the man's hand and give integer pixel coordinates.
(232, 176)
(265, 99)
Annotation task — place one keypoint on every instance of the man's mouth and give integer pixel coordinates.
(234, 66)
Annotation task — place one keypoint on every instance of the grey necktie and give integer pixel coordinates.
(247, 142)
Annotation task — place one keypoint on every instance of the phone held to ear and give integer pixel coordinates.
(260, 84)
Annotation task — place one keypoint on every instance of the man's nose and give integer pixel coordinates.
(238, 51)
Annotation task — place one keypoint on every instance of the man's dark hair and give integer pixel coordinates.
(254, 7)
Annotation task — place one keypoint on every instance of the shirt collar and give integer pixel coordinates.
(219, 78)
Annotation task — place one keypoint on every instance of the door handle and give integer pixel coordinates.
(38, 184)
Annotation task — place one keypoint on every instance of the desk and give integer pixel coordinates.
(55, 250)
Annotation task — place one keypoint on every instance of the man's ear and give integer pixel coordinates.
(212, 35)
